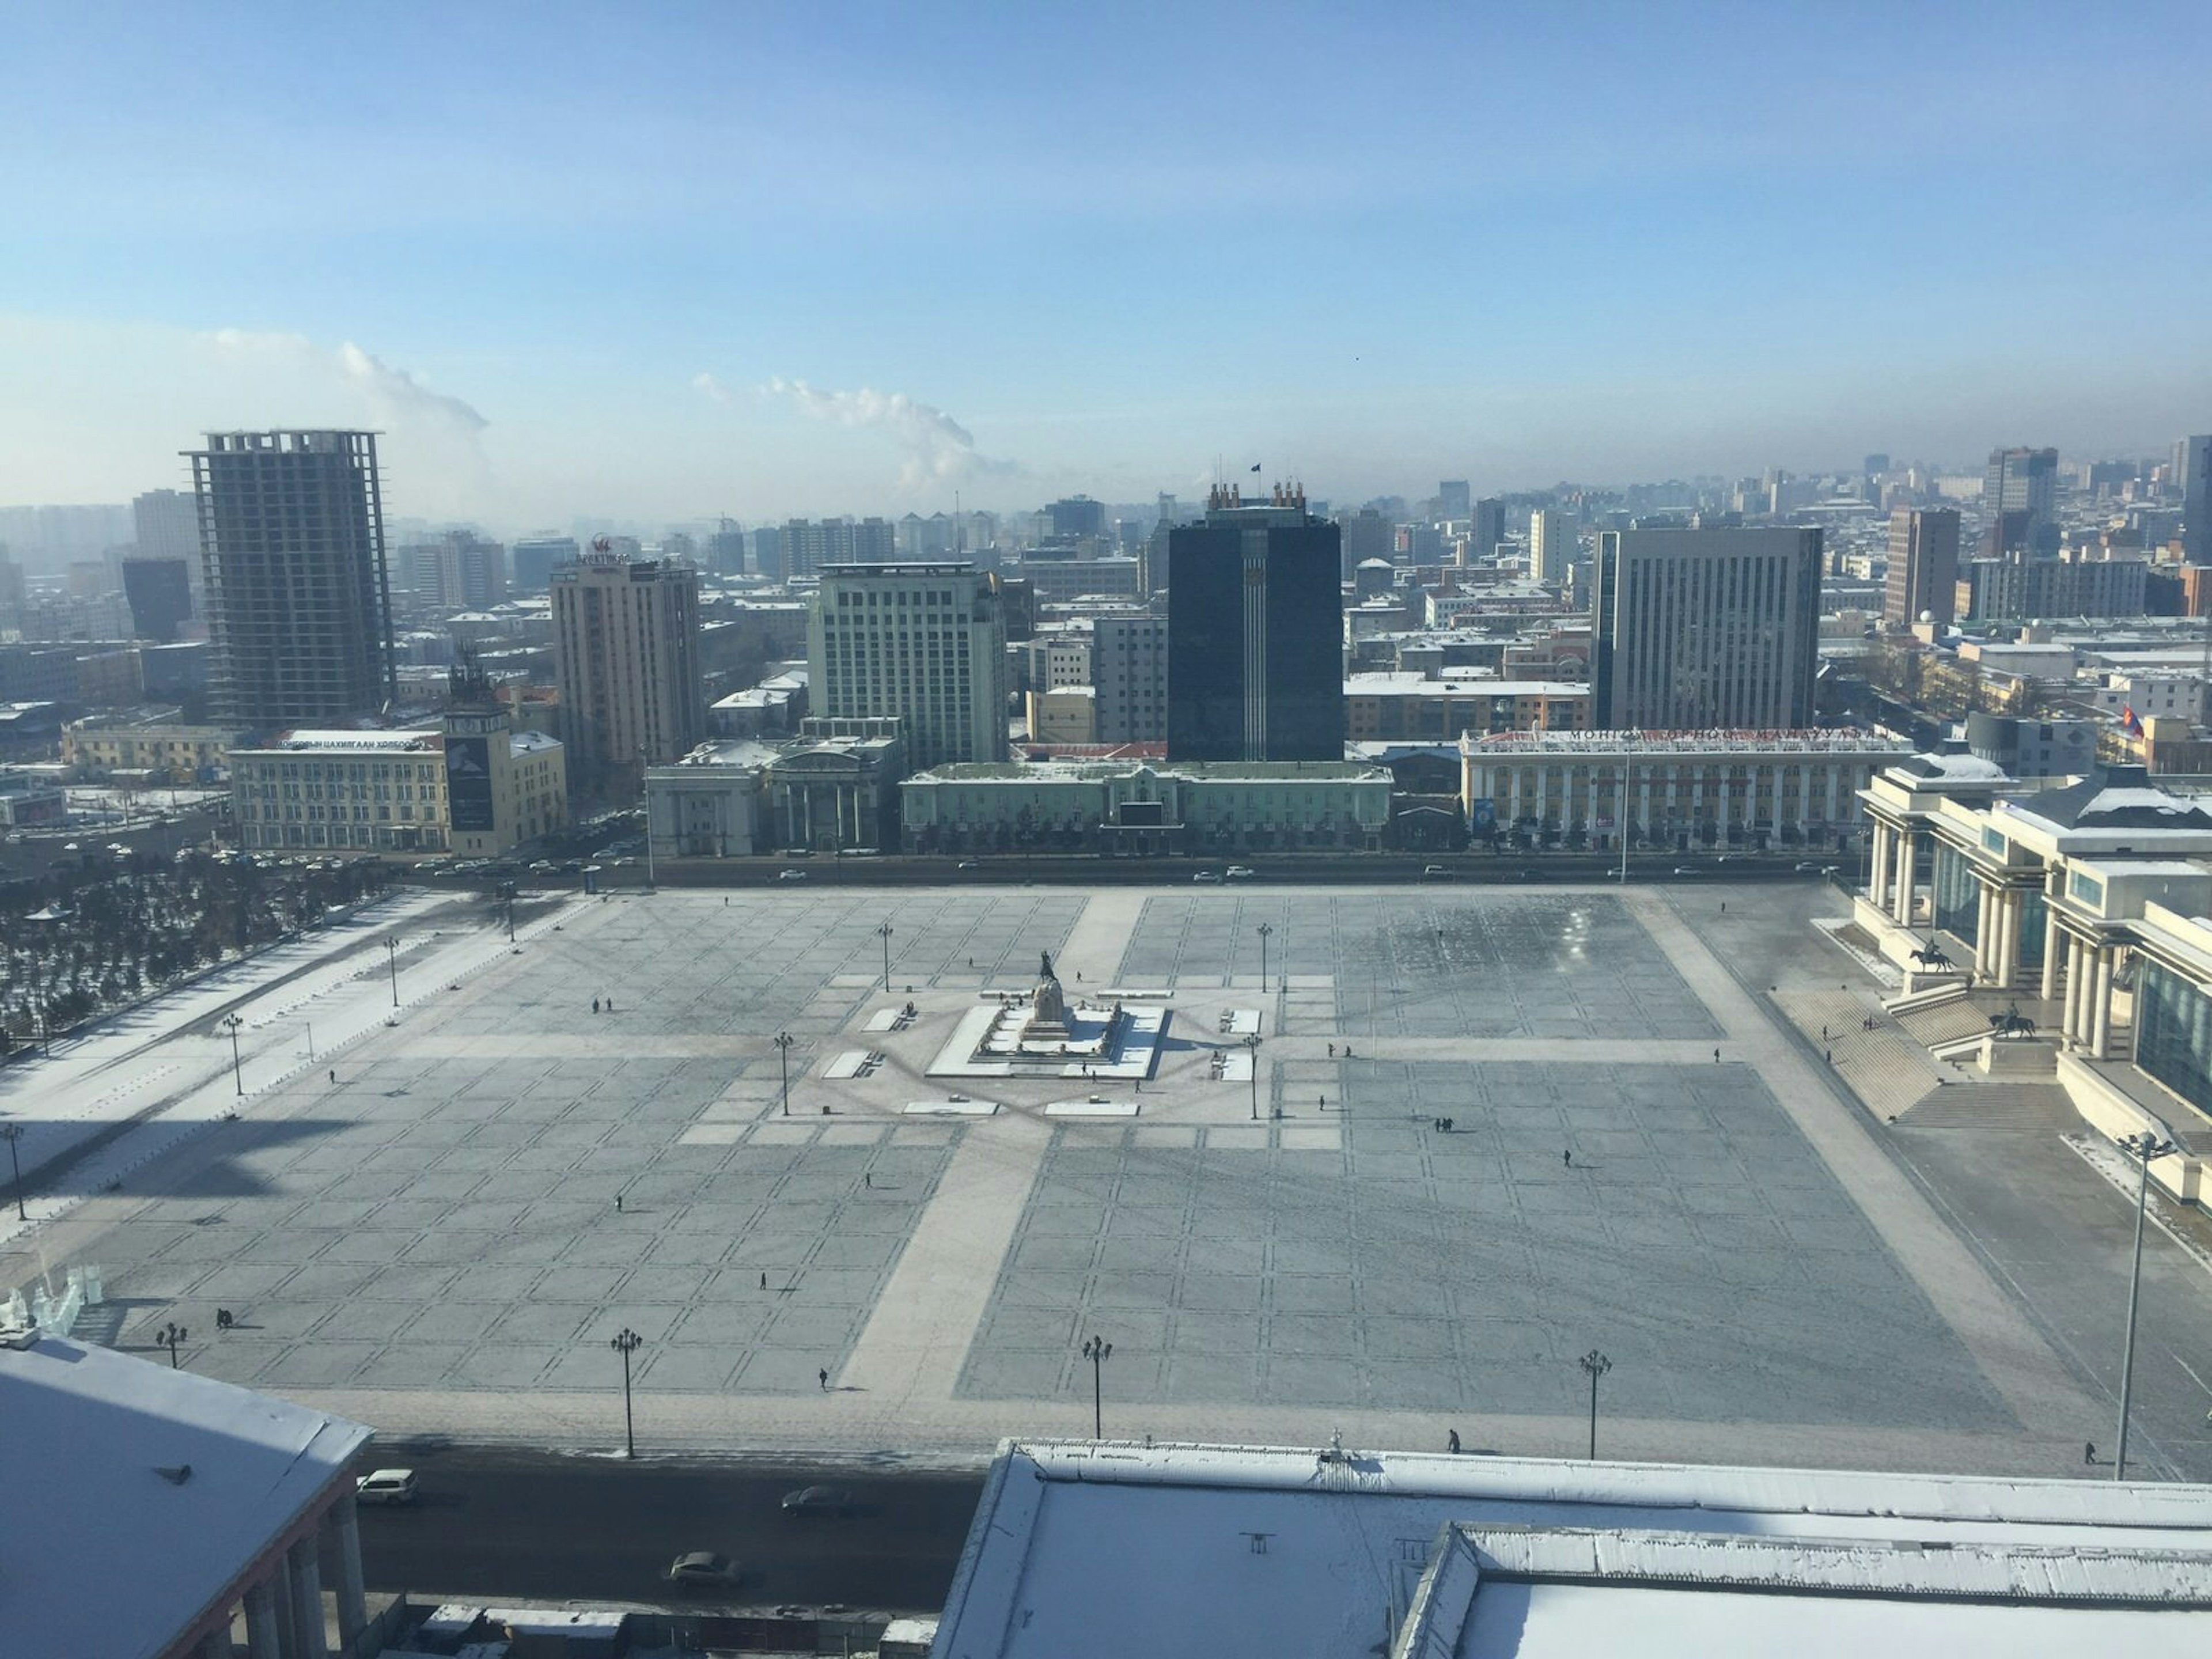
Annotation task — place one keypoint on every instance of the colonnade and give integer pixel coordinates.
(284, 1607)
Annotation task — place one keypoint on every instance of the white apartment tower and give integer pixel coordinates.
(626, 656)
(926, 642)
(1129, 667)
(1552, 545)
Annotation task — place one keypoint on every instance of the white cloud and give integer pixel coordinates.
(708, 386)
(937, 447)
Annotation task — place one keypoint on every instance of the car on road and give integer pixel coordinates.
(791, 875)
(385, 1487)
(701, 1570)
(1684, 870)
(1207, 875)
(818, 1500)
(1238, 872)
(1434, 870)
(966, 864)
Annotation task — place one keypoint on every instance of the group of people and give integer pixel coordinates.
(608, 1001)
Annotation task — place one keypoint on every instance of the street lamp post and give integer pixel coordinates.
(391, 958)
(14, 1133)
(1265, 929)
(1597, 1366)
(783, 1039)
(885, 930)
(172, 1337)
(628, 1343)
(2142, 1148)
(237, 1076)
(1097, 1354)
(1252, 1044)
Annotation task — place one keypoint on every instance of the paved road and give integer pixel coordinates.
(540, 1525)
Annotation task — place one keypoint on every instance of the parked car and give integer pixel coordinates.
(701, 1569)
(385, 1487)
(818, 1500)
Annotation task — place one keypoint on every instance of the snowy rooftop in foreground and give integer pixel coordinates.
(107, 1543)
(1112, 1549)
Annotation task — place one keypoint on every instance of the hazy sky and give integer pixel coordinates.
(660, 261)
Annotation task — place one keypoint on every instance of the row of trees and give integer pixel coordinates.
(90, 935)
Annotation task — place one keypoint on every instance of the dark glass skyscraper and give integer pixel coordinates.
(1255, 632)
(299, 605)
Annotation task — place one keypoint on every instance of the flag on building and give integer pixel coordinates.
(2129, 723)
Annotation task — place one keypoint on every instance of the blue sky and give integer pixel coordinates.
(1021, 250)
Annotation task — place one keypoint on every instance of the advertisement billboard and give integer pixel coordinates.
(468, 785)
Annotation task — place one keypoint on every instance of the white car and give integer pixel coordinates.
(702, 1568)
(1238, 872)
(791, 875)
(385, 1487)
(1207, 875)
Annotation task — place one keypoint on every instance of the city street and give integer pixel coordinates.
(502, 1524)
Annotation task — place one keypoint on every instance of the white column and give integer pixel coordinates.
(2071, 1027)
(2100, 1011)
(1902, 889)
(2008, 964)
(306, 1574)
(344, 1523)
(1985, 954)
(2053, 941)
(263, 1636)
(1878, 868)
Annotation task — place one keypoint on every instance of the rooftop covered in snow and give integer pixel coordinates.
(1082, 1549)
(134, 1496)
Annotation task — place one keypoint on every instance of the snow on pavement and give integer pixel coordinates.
(168, 1060)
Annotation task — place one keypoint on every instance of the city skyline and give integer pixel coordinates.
(686, 262)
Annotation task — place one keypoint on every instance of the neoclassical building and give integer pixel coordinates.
(2090, 904)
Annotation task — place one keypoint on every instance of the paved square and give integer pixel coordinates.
(1436, 963)
(1699, 1239)
(1277, 1240)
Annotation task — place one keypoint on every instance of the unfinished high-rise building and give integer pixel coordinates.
(291, 527)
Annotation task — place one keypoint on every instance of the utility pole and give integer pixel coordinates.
(237, 1077)
(783, 1041)
(391, 958)
(885, 930)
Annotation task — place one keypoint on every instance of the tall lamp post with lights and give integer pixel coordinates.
(628, 1343)
(1597, 1366)
(1252, 1047)
(2142, 1148)
(783, 1041)
(231, 1023)
(13, 1132)
(1097, 1354)
(885, 930)
(1265, 929)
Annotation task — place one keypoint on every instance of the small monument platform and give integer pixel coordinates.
(1043, 1034)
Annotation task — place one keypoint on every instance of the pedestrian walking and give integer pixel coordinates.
(334, 1077)
(595, 1004)
(1824, 1034)
(618, 1208)
(824, 1374)
(763, 1281)
(1567, 1158)
(867, 1178)
(1723, 906)
(2089, 1452)
(1832, 1056)
(611, 1005)
(1332, 1051)
(1451, 1442)
(1716, 1056)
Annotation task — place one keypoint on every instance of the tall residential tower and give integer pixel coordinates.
(291, 527)
(924, 642)
(1923, 565)
(626, 656)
